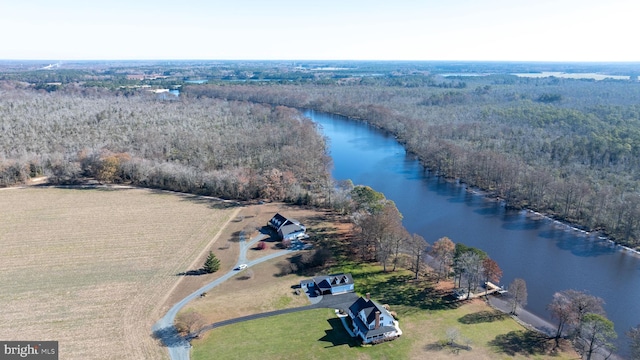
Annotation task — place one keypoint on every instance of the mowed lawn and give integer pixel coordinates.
(318, 334)
(423, 316)
(91, 268)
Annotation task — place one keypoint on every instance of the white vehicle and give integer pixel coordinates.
(241, 267)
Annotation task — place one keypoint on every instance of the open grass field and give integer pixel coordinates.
(92, 268)
(425, 318)
(319, 334)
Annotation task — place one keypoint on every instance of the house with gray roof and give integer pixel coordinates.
(287, 228)
(372, 322)
(329, 284)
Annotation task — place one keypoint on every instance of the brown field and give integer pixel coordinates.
(252, 291)
(92, 269)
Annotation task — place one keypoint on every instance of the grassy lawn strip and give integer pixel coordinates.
(313, 334)
(425, 313)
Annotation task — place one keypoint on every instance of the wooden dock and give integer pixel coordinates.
(490, 288)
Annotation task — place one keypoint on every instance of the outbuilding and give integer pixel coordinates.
(330, 284)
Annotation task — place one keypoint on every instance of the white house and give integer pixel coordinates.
(287, 229)
(372, 322)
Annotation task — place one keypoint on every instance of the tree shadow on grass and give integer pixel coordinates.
(266, 230)
(235, 236)
(442, 345)
(404, 290)
(483, 317)
(192, 273)
(337, 335)
(330, 238)
(211, 202)
(169, 337)
(523, 342)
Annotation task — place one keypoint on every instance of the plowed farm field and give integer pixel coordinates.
(93, 268)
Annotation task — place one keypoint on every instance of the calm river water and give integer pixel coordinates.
(549, 256)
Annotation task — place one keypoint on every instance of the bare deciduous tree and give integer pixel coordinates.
(518, 294)
(189, 322)
(470, 266)
(416, 246)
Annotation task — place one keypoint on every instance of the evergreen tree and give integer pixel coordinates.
(212, 264)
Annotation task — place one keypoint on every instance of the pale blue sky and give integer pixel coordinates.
(526, 30)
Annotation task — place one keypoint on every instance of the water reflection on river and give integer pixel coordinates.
(549, 256)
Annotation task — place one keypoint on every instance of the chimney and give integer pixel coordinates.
(368, 296)
(377, 319)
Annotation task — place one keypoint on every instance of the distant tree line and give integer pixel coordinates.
(567, 148)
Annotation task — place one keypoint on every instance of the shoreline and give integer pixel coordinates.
(535, 215)
(534, 322)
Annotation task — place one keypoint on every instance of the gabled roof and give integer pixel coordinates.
(278, 220)
(329, 281)
(369, 307)
(290, 229)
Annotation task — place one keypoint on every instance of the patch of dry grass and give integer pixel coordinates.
(92, 268)
(252, 291)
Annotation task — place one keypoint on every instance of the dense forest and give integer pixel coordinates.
(568, 148)
(235, 150)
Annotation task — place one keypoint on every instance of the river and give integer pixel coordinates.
(548, 255)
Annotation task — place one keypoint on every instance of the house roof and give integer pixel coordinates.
(290, 229)
(330, 281)
(364, 328)
(369, 307)
(278, 220)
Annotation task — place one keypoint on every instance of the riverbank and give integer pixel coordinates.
(535, 215)
(535, 323)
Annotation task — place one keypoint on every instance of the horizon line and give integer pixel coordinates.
(53, 60)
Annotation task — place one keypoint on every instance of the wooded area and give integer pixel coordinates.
(234, 150)
(567, 148)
